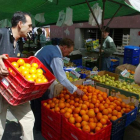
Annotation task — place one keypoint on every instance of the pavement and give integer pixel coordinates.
(13, 130)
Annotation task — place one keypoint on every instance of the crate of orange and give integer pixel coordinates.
(49, 133)
(49, 116)
(28, 79)
(71, 132)
(131, 116)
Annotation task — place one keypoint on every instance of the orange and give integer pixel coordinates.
(99, 125)
(72, 120)
(22, 68)
(67, 115)
(78, 125)
(30, 79)
(40, 75)
(85, 117)
(39, 71)
(32, 71)
(15, 64)
(66, 96)
(27, 65)
(114, 112)
(52, 105)
(34, 76)
(78, 119)
(86, 128)
(84, 106)
(44, 80)
(103, 121)
(38, 80)
(118, 108)
(34, 65)
(82, 112)
(105, 112)
(97, 129)
(96, 110)
(114, 118)
(62, 111)
(25, 72)
(61, 105)
(92, 125)
(77, 110)
(56, 109)
(99, 116)
(21, 62)
(91, 113)
(91, 119)
(69, 110)
(85, 98)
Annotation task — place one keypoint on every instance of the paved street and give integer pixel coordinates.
(13, 130)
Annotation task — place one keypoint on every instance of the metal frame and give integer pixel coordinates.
(102, 26)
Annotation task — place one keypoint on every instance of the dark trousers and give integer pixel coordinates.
(105, 63)
(36, 108)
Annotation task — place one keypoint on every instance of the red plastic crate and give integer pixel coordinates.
(48, 133)
(53, 119)
(16, 89)
(70, 132)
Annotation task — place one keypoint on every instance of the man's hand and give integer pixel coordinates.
(79, 92)
(102, 50)
(3, 69)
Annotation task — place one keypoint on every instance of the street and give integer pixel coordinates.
(13, 130)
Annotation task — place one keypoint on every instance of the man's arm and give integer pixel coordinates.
(3, 69)
(111, 47)
(57, 67)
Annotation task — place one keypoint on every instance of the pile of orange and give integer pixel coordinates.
(131, 72)
(91, 111)
(31, 72)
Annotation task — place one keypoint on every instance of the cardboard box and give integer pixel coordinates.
(127, 97)
(58, 87)
(121, 68)
(101, 73)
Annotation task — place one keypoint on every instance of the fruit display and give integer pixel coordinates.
(131, 72)
(89, 112)
(85, 71)
(110, 80)
(114, 60)
(71, 79)
(69, 64)
(31, 72)
(131, 76)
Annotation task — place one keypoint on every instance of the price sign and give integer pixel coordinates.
(88, 82)
(66, 60)
(93, 73)
(74, 74)
(95, 69)
(125, 73)
(78, 69)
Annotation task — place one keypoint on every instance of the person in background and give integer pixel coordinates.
(108, 49)
(40, 39)
(137, 75)
(52, 57)
(9, 37)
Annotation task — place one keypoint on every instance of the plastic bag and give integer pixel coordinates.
(98, 14)
(135, 4)
(61, 18)
(69, 16)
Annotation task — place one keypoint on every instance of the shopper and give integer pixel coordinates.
(21, 26)
(40, 39)
(108, 49)
(51, 57)
(137, 75)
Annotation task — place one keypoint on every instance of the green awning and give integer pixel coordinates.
(52, 9)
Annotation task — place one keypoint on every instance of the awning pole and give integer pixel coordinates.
(113, 16)
(93, 14)
(102, 29)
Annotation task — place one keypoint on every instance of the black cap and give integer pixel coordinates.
(107, 30)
